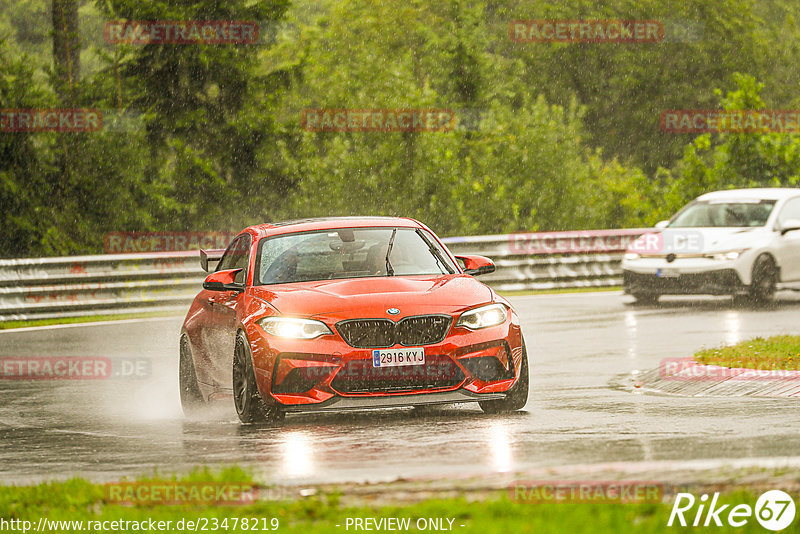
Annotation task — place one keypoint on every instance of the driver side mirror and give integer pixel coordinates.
(209, 257)
(790, 225)
(476, 265)
(662, 224)
(223, 281)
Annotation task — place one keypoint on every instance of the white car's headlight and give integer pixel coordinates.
(483, 317)
(724, 256)
(631, 256)
(294, 328)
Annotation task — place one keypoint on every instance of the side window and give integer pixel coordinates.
(237, 257)
(791, 210)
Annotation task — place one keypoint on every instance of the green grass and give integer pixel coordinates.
(772, 353)
(79, 500)
(5, 325)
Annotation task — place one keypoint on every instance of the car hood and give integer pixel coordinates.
(372, 297)
(704, 240)
(724, 239)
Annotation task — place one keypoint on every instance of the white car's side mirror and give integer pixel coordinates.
(790, 225)
(662, 224)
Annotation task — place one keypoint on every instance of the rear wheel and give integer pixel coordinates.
(250, 406)
(765, 278)
(191, 398)
(517, 396)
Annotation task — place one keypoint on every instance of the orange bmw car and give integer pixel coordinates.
(348, 313)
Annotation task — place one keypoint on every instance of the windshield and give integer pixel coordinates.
(349, 253)
(723, 214)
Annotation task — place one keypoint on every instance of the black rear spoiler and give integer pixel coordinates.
(210, 255)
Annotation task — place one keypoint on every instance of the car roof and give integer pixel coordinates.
(328, 223)
(761, 193)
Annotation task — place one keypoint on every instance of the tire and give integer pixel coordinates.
(517, 396)
(765, 278)
(250, 406)
(191, 397)
(646, 298)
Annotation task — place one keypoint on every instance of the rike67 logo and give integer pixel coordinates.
(774, 510)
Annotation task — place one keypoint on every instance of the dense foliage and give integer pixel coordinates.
(548, 135)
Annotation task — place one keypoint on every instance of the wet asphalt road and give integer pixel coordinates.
(579, 345)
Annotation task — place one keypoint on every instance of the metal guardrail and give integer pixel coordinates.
(44, 288)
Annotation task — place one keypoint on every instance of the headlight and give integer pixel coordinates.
(483, 317)
(294, 328)
(723, 256)
(631, 256)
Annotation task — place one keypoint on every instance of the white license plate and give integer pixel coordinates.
(667, 273)
(398, 357)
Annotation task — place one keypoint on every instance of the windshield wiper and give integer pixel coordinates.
(436, 254)
(389, 269)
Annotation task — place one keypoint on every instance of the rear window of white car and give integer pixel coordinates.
(715, 214)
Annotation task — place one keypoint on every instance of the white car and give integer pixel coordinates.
(737, 242)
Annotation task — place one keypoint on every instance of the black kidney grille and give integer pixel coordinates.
(381, 333)
(423, 330)
(364, 333)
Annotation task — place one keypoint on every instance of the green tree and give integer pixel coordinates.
(728, 160)
(514, 163)
(208, 130)
(21, 165)
(625, 86)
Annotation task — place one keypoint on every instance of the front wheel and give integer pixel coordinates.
(765, 278)
(517, 396)
(250, 406)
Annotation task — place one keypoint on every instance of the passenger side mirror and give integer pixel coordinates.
(476, 265)
(223, 281)
(790, 225)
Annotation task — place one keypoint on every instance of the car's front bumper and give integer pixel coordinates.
(687, 275)
(719, 282)
(326, 373)
(394, 401)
